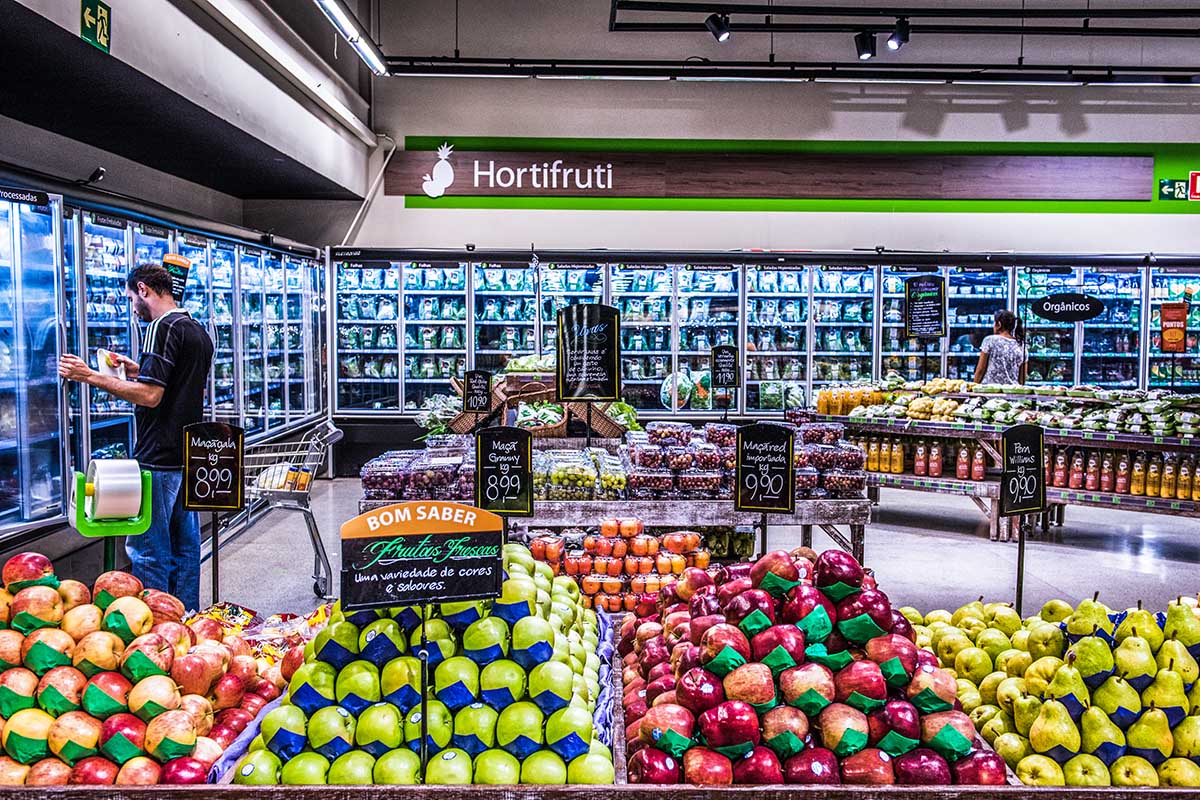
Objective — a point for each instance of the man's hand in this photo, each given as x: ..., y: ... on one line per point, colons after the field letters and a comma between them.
x: 132, y: 368
x: 74, y: 368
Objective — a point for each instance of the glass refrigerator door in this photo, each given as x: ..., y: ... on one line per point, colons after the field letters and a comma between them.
x: 1051, y: 344
x: 30, y: 435
x: 901, y: 355
x: 106, y: 265
x: 195, y: 298
x: 562, y: 285
x: 150, y: 244
x: 435, y: 326
x: 644, y: 295
x: 254, y: 385
x: 367, y: 334
x: 843, y: 310
x: 1112, y: 341
x: 275, y: 345
x: 226, y: 397
x: 1180, y: 372
x: 505, y: 313
x: 76, y: 392
x: 708, y: 302
x: 297, y: 334
x: 776, y: 347
x: 974, y: 295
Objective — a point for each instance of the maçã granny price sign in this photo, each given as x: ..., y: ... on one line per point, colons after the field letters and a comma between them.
x: 504, y: 471
x: 422, y: 551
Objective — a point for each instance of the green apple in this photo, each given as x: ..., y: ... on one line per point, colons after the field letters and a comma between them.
x: 600, y: 748
x: 568, y: 732
x: 543, y: 767
x: 260, y: 768
x: 591, y: 769
x: 502, y: 683
x: 567, y: 584
x: 331, y: 731
x: 355, y: 767
x: 256, y: 744
x: 392, y: 645
x: 497, y: 768
x: 439, y: 727
x: 461, y: 614
x: 435, y: 629
x: 337, y: 644
x: 519, y: 554
x: 486, y: 640
x: 312, y: 686
x: 451, y: 766
x: 551, y: 685
x: 284, y: 731
x: 398, y: 768
x: 457, y: 682
x: 1133, y: 771
x: 519, y: 729
x: 1039, y: 770
x: 357, y: 686
x: 475, y: 728
x: 400, y: 682
x: 378, y: 729
x: 532, y: 639
x: 518, y: 598
x: 306, y: 769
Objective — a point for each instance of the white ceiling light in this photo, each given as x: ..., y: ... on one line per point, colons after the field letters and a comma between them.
x: 345, y: 23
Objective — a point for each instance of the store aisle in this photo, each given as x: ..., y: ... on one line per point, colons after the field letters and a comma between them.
x: 929, y: 551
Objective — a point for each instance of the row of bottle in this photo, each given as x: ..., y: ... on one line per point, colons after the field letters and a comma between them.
x: 844, y: 399
x: 929, y: 457
x: 1169, y: 476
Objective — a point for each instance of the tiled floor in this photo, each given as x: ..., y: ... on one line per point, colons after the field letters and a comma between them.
x: 928, y: 550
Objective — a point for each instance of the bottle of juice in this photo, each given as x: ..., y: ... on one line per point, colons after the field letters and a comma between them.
x: 823, y: 401
x: 1137, y: 478
x: 962, y: 465
x: 978, y: 465
x: 1121, y: 486
x: 1075, y: 478
x: 1060, y: 468
x: 897, y: 457
x: 1169, y: 476
x: 1107, y: 473
x: 921, y: 459
x: 1154, y: 476
x: 1183, y: 483
x: 873, y: 456
x: 1091, y: 478
x: 935, y: 459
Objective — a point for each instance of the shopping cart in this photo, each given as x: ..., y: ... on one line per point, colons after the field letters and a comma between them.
x: 279, y: 476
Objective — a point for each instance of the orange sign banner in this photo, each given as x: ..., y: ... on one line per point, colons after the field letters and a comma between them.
x: 420, y: 517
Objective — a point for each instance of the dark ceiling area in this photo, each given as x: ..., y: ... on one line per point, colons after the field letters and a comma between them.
x: 54, y: 80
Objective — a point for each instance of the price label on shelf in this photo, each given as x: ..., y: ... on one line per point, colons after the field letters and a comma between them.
x: 1023, y: 475
x: 504, y: 471
x: 766, y: 482
x: 725, y: 373
x: 477, y: 391
x: 213, y: 456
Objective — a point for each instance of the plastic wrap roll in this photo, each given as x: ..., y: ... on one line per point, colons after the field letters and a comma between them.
x: 116, y: 489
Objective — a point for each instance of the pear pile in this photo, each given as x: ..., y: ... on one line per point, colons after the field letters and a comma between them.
x: 513, y: 685
x: 1078, y: 696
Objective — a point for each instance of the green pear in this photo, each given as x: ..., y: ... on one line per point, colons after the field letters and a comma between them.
x: 987, y: 687
x: 1086, y: 770
x: 1089, y: 617
x: 1140, y: 622
x: 971, y: 609
x: 1020, y: 640
x: 1166, y: 694
x: 1094, y: 659
x: 1186, y: 736
x: 1046, y: 640
x: 972, y: 627
x: 1055, y: 611
x: 993, y: 642
x: 941, y: 631
x: 938, y: 615
x: 1150, y: 737
x: 984, y: 713
x: 973, y: 664
x: 1100, y: 737
x: 1133, y: 771
x: 1002, y: 617
x: 1025, y: 710
x: 1175, y: 652
x: 997, y: 726
x: 1038, y: 770
x: 1178, y: 772
x: 1182, y: 624
x: 1012, y: 747
x: 968, y: 696
x: 1194, y: 697
x: 948, y: 648
x: 1068, y: 688
x: 1008, y: 691
x: 1134, y: 660
x: 1014, y: 662
x: 1119, y: 700
x: 1040, y: 673
x: 1053, y: 733
x: 912, y: 615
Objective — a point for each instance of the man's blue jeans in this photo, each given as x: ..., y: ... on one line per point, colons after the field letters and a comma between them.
x: 167, y: 556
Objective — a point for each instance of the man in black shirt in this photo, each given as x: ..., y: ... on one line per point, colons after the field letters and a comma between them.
x: 167, y: 388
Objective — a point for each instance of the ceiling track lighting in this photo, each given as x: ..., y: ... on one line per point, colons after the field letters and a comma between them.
x: 900, y: 35
x: 718, y: 26
x: 864, y: 43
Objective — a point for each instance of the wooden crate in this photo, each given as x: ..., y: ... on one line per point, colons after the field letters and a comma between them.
x: 603, y: 425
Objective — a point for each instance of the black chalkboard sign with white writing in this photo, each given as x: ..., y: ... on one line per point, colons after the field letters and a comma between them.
x: 178, y: 268
x: 504, y: 471
x: 766, y: 481
x: 213, y: 455
x: 1023, y: 474
x: 1068, y: 307
x: 725, y: 373
x: 589, y: 353
x: 477, y: 391
x: 925, y: 306
x: 420, y: 552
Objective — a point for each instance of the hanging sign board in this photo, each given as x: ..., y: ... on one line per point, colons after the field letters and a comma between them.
x: 589, y: 353
x: 477, y: 391
x: 925, y: 306
x: 1068, y: 307
x: 504, y: 471
x: 213, y: 458
x: 420, y: 552
x: 1173, y: 320
x: 177, y: 267
x: 765, y: 480
x: 1023, y: 476
x: 11, y: 194
x: 724, y: 371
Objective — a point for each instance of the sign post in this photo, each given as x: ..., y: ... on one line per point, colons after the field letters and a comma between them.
x: 589, y: 356
x: 724, y: 372
x: 925, y: 312
x: 213, y: 478
x: 1022, y: 484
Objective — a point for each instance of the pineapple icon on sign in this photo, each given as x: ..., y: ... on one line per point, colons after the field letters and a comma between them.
x: 435, y: 185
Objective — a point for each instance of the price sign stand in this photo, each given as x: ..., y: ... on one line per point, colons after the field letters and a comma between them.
x: 1022, y: 485
x: 925, y: 313
x: 725, y: 374
x: 504, y: 473
x: 589, y: 356
x: 213, y: 478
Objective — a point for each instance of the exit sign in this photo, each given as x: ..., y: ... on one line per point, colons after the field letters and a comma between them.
x: 95, y: 24
x: 1194, y: 186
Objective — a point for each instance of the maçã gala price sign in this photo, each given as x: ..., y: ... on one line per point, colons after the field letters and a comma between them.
x: 422, y: 551
x: 213, y: 458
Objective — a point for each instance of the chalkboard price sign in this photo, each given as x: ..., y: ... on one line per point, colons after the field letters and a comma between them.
x: 420, y: 552
x: 504, y: 471
x: 178, y: 268
x: 765, y: 480
x: 925, y: 306
x: 724, y: 369
x: 477, y: 391
x: 1023, y: 475
x: 589, y: 353
x: 213, y: 467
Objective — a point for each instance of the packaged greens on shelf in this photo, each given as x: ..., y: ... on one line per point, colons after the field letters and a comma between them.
x: 539, y: 415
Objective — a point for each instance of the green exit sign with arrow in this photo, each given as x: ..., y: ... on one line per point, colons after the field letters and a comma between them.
x: 1172, y: 189
x: 95, y: 23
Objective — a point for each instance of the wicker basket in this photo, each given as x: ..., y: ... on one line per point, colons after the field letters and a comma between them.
x: 603, y: 425
x: 464, y: 422
x: 556, y: 431
x: 532, y: 392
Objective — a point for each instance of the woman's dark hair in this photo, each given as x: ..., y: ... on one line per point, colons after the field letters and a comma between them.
x: 155, y: 276
x: 1010, y: 323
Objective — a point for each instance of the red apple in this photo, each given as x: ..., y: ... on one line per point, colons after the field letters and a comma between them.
x: 201, y: 710
x: 237, y: 645
x: 235, y: 718
x: 291, y: 661
x: 206, y: 628
x: 838, y: 718
x: 813, y: 765
x: 645, y: 632
x: 73, y: 729
x: 704, y: 602
x: 699, y: 690
x: 222, y: 735
x: 192, y: 672
x: 777, y: 561
x: 927, y: 658
x: 871, y: 602
x: 870, y: 767
x: 12, y: 772
x: 759, y: 767
x: 900, y: 716
x: 863, y: 677
x: 801, y: 601
x: 74, y: 594
x: 48, y: 772
x: 746, y: 603
x: 268, y: 690
x: 730, y: 590
x: 731, y: 723
x: 902, y: 627
x: 936, y: 680
x: 980, y: 768
x: 922, y: 767
x: 752, y: 683
x: 891, y: 645
x: 668, y: 717
x: 795, y: 681
x: 789, y: 637
x: 184, y: 770
x: 932, y: 724
x: 837, y: 566
x: 154, y: 694
x: 139, y: 771
x: 253, y: 703
x: 701, y: 624
x: 115, y: 584
x: 245, y: 667
x: 52, y: 638
x: 164, y: 606
x: 170, y: 726
x: 127, y: 725
x: 81, y: 620
x: 155, y: 649
x: 731, y: 572
x: 68, y: 681
x: 94, y: 771
x: 666, y: 698
x: 651, y: 765
x: 704, y: 767
x: 40, y: 602
x: 784, y: 719
x: 98, y: 651
x: 207, y: 752
x: 26, y: 567
x: 10, y: 647
x: 660, y: 685
x: 635, y: 707
x: 692, y: 580
x: 179, y: 635
x: 718, y: 637
x: 227, y: 692
x: 114, y: 685
x: 20, y: 682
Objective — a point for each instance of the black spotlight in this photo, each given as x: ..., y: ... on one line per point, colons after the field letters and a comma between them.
x: 899, y: 36
x: 718, y: 26
x: 864, y: 42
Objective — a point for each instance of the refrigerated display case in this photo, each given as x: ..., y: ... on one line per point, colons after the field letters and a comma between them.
x: 274, y: 345
x: 909, y: 357
x: 226, y: 366
x: 196, y: 299
x: 644, y: 295
x: 974, y: 295
x: 708, y: 298
x: 367, y: 332
x: 150, y: 243
x: 1051, y: 344
x: 251, y: 282
x: 559, y: 286
x: 1180, y: 371
x: 72, y: 322
x: 109, y: 325
x: 434, y: 299
x: 505, y: 313
x: 302, y: 359
x: 843, y: 311
x: 1111, y: 343
x: 776, y: 342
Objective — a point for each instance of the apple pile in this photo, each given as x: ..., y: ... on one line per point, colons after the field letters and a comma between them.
x: 513, y: 686
x: 108, y: 685
x: 1078, y: 695
x: 794, y: 669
